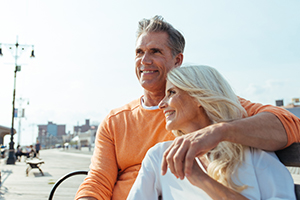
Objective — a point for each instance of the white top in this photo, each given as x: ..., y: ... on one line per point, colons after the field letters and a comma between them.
x: 265, y: 175
x: 148, y: 107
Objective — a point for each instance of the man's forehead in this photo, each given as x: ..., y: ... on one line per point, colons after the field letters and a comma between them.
x: 152, y: 40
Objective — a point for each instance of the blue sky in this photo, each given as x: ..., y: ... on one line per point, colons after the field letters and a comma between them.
x: 84, y: 63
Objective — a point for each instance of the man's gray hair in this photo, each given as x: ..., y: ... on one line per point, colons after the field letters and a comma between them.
x: 158, y: 24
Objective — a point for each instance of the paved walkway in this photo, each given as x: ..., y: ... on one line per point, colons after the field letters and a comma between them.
x: 16, y: 185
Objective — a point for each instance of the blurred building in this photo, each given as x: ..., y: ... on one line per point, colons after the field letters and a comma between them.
x: 84, y: 135
x: 51, y: 134
x: 4, y: 131
x: 83, y: 128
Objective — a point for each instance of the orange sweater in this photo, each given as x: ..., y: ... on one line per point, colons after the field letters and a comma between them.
x: 126, y: 134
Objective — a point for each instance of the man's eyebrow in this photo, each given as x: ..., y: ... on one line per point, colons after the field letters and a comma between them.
x: 156, y: 49
x: 138, y: 49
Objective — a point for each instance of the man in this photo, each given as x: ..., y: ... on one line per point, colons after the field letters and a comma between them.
x: 126, y: 134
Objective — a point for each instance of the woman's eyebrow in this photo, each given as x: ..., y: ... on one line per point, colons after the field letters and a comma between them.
x: 171, y: 88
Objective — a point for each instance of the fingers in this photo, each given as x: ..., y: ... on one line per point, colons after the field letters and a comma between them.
x: 164, y: 164
x: 168, y: 157
x: 179, y: 159
x: 190, y: 159
x: 174, y: 157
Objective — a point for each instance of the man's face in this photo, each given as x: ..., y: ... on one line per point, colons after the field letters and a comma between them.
x: 153, y: 60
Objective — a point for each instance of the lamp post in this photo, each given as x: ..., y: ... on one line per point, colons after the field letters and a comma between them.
x: 21, y: 114
x: 11, y: 155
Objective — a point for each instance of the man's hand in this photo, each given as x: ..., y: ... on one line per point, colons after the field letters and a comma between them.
x: 262, y: 131
x: 179, y: 157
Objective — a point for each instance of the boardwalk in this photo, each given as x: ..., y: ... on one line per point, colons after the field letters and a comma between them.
x: 16, y: 185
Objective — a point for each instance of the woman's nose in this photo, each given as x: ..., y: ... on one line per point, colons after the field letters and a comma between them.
x: 162, y: 104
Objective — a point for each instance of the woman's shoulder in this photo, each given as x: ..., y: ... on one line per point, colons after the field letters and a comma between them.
x: 158, y: 149
x: 261, y: 157
x: 268, y: 174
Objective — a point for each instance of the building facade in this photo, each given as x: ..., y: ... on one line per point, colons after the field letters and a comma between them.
x: 84, y: 135
x: 51, y: 134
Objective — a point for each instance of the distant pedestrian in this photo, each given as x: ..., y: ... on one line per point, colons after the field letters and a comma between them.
x: 2, y: 151
x: 32, y: 152
x: 37, y: 148
x: 18, y: 153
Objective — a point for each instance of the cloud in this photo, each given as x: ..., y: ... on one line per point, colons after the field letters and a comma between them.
x: 270, y: 90
x: 268, y: 87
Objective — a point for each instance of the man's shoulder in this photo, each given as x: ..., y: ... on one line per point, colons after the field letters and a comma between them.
x: 129, y: 107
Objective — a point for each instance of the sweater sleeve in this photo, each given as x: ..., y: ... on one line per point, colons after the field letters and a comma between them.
x: 103, y: 169
x: 147, y: 184
x: 290, y: 122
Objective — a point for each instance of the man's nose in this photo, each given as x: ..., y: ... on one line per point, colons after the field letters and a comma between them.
x: 146, y: 59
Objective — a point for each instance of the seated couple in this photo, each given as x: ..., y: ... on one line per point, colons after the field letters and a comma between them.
x: 196, y: 97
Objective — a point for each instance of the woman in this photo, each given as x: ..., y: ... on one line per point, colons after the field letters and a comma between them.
x: 196, y: 97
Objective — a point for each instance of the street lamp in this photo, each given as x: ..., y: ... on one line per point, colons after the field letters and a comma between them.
x: 11, y: 155
x: 21, y: 114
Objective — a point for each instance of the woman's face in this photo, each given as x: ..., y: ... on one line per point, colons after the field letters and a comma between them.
x: 182, y: 112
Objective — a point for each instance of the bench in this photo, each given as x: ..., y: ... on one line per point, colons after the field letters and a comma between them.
x: 290, y: 157
x: 34, y: 163
x: 82, y: 172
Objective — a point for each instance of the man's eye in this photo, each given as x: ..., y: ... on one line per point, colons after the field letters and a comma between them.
x: 138, y: 52
x: 156, y: 51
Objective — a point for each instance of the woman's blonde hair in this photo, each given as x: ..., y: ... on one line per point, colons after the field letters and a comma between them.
x: 220, y: 103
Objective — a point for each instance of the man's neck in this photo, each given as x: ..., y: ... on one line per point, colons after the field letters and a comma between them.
x: 152, y: 99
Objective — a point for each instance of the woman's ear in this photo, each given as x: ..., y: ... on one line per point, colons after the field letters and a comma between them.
x: 198, y: 104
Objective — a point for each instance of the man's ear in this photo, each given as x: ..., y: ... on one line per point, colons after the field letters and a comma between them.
x: 179, y: 59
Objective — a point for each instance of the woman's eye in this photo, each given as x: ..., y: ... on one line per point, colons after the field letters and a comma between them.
x: 171, y: 92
